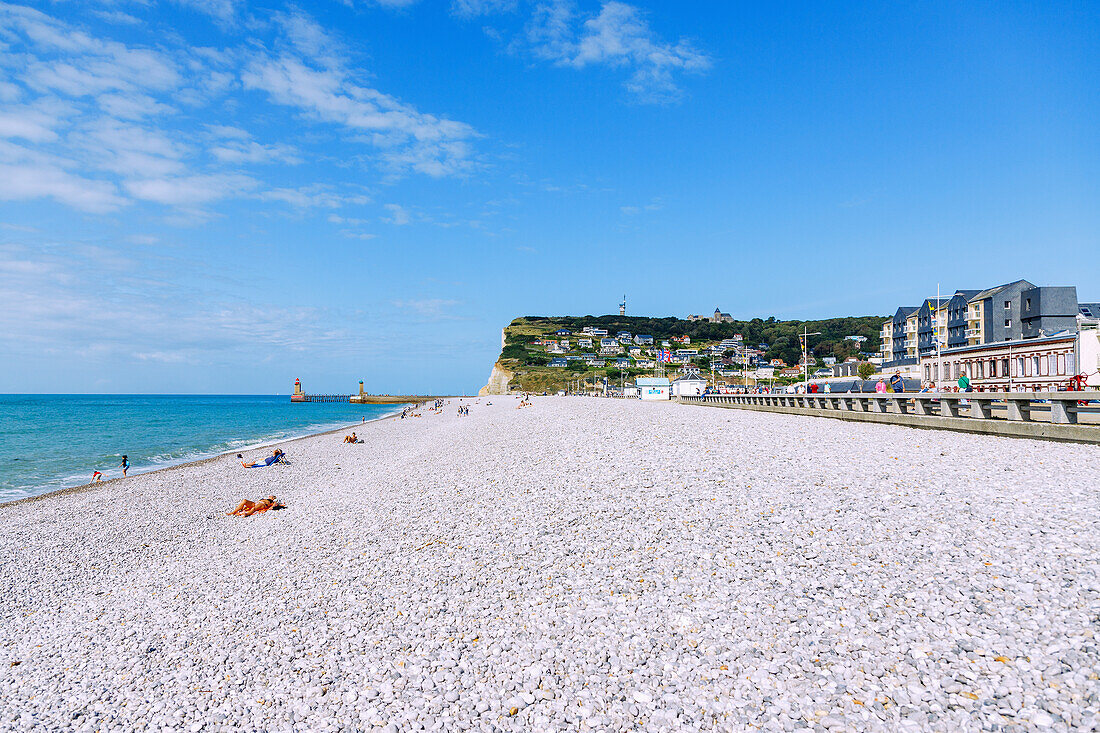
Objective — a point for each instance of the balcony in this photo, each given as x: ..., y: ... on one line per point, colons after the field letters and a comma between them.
x: 884, y: 334
x: 972, y: 333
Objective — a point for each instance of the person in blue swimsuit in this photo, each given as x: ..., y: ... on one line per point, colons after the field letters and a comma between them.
x: 277, y: 457
x: 125, y: 465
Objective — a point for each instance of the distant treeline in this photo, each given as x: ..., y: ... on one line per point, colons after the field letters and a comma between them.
x: 780, y: 336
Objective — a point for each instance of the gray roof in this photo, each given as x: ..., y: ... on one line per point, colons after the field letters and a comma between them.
x: 989, y: 293
x: 906, y: 310
x: 968, y: 294
x: 1089, y: 310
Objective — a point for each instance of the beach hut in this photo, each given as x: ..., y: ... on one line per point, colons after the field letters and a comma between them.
x: 653, y: 388
x: 689, y: 385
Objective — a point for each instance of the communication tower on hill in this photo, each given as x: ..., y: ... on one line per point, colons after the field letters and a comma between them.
x: 622, y: 307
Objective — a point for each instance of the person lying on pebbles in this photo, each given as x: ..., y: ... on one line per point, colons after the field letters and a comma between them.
x: 277, y: 457
x: 247, y: 508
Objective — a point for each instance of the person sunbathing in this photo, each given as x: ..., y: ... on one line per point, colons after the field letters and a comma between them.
x: 247, y: 508
x: 277, y: 457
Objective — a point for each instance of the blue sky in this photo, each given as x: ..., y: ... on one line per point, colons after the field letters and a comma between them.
x: 219, y: 196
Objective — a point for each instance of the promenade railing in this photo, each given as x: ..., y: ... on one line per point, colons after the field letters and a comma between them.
x: 1018, y: 406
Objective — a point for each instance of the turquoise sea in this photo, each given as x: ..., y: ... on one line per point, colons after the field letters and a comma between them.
x: 50, y: 442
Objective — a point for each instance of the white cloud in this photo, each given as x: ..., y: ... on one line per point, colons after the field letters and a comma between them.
x: 254, y: 152
x: 116, y: 16
x: 131, y: 150
x: 618, y: 36
x: 118, y: 118
x: 351, y: 234
x: 398, y: 215
x: 222, y: 10
x: 140, y: 307
x: 27, y: 123
x: 27, y: 174
x: 313, y: 80
x: 27, y: 182
x: 189, y: 191
x: 434, y: 309
x: 313, y: 197
x: 337, y: 219
x: 132, y: 106
x: 473, y: 8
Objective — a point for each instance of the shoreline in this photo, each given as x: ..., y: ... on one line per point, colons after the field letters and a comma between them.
x: 82, y: 488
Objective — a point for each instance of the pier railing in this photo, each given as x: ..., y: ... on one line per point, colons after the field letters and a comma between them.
x: 1025, y: 414
x: 321, y: 398
x: 1019, y: 405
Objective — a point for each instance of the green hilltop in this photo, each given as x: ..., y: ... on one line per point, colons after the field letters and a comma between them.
x: 528, y: 362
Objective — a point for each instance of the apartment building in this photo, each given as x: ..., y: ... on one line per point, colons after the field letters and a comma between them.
x: 1008, y: 312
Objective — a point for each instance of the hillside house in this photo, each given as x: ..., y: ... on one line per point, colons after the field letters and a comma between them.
x: 665, y: 344
x: 778, y: 363
x: 621, y: 363
x: 584, y: 343
x: 643, y: 340
x: 558, y: 362
x: 562, y: 332
x: 635, y: 351
x: 608, y: 342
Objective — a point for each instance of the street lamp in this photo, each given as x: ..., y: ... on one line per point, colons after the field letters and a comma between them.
x: 805, y: 358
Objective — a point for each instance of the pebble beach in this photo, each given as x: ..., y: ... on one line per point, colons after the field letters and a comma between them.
x: 579, y: 564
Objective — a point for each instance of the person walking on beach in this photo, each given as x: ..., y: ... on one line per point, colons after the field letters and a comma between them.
x: 125, y: 465
x: 897, y: 382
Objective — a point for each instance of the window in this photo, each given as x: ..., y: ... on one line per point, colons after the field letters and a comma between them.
x: 1019, y: 367
x: 1008, y: 323
x: 992, y: 367
x: 1033, y: 369
x: 1061, y: 363
x: 1027, y: 304
x: 981, y: 370
x: 927, y: 372
x: 1043, y: 364
x: 1071, y: 366
x: 1008, y: 305
x: 1004, y: 367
